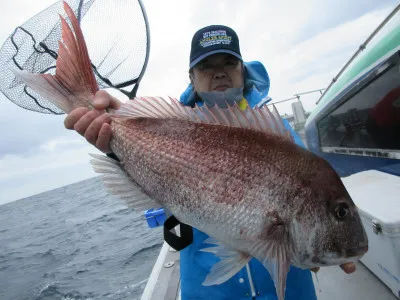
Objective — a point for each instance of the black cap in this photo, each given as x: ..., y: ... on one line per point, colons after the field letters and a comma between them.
x: 214, y: 39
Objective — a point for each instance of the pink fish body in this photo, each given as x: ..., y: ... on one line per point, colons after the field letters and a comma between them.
x: 234, y: 174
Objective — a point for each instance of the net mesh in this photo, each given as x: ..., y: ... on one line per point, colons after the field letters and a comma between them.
x: 116, y: 37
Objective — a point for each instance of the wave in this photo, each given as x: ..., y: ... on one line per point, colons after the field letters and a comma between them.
x: 132, y: 291
x: 50, y: 290
x: 142, y: 250
x: 48, y: 253
x: 47, y: 291
x: 104, y: 216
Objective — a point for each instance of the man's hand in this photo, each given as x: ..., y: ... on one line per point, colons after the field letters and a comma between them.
x: 347, y: 268
x: 94, y: 124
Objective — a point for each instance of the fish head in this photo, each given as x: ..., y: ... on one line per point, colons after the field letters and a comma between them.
x: 327, y: 229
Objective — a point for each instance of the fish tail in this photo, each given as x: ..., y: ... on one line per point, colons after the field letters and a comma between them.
x: 74, y: 83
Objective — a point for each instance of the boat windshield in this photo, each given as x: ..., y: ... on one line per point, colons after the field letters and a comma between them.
x: 369, y: 118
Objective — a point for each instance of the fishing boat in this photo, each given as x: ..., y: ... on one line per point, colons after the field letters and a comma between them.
x: 355, y: 126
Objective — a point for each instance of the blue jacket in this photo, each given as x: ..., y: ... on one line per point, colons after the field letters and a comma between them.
x: 195, y: 265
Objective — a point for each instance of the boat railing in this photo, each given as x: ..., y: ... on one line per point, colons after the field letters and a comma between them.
x: 299, y: 115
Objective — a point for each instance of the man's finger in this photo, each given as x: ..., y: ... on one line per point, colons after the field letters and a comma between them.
x: 348, y: 267
x: 74, y: 116
x: 103, y: 100
x: 85, y: 121
x: 94, y: 127
x: 103, y: 140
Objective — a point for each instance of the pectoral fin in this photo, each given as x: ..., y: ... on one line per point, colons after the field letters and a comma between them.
x: 278, y: 265
x: 119, y: 183
x: 274, y: 250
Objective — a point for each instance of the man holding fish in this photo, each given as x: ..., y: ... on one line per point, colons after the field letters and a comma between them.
x: 219, y: 76
x: 233, y: 171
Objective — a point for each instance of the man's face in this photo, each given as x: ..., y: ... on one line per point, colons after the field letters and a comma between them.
x: 217, y: 73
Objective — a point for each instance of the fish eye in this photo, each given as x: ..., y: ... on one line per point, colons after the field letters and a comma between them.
x: 341, y: 211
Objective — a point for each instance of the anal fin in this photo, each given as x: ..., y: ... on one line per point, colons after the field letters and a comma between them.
x: 232, y: 262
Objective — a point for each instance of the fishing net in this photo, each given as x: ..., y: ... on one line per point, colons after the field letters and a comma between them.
x: 117, y: 36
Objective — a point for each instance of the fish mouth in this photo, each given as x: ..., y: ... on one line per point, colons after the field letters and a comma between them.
x: 354, y: 252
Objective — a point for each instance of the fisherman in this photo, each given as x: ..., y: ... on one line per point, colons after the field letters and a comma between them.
x: 218, y: 75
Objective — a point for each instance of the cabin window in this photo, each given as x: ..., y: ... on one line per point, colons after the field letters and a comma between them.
x: 368, y: 120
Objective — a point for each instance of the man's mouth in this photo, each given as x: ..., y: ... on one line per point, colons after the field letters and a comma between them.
x: 221, y: 87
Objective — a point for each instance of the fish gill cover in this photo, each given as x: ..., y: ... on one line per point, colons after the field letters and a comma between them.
x: 116, y: 34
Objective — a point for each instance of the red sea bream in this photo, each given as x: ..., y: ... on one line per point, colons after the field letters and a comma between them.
x: 233, y: 173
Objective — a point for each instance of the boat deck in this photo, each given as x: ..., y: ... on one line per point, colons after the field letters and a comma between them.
x: 331, y: 283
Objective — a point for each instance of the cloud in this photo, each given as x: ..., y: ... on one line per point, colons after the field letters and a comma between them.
x: 23, y: 176
x: 333, y: 13
x: 15, y: 13
x: 313, y: 63
x: 24, y: 131
x: 52, y: 145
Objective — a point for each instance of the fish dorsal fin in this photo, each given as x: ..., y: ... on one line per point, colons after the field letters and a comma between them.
x: 119, y: 183
x: 260, y: 119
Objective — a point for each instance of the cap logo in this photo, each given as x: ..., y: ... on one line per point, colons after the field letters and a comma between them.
x: 215, y: 37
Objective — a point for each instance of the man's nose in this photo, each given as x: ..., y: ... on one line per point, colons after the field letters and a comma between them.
x: 218, y: 74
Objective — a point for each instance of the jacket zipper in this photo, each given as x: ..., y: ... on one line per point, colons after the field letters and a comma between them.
x: 253, y: 291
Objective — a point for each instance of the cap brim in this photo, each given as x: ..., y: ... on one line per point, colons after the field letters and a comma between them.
x: 201, y: 57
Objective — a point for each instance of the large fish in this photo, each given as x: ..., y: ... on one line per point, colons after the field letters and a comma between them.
x: 234, y: 174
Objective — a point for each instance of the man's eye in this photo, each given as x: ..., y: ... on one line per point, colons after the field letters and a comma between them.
x: 231, y: 63
x: 203, y: 66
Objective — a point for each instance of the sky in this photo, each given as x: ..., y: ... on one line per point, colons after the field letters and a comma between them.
x: 302, y: 44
